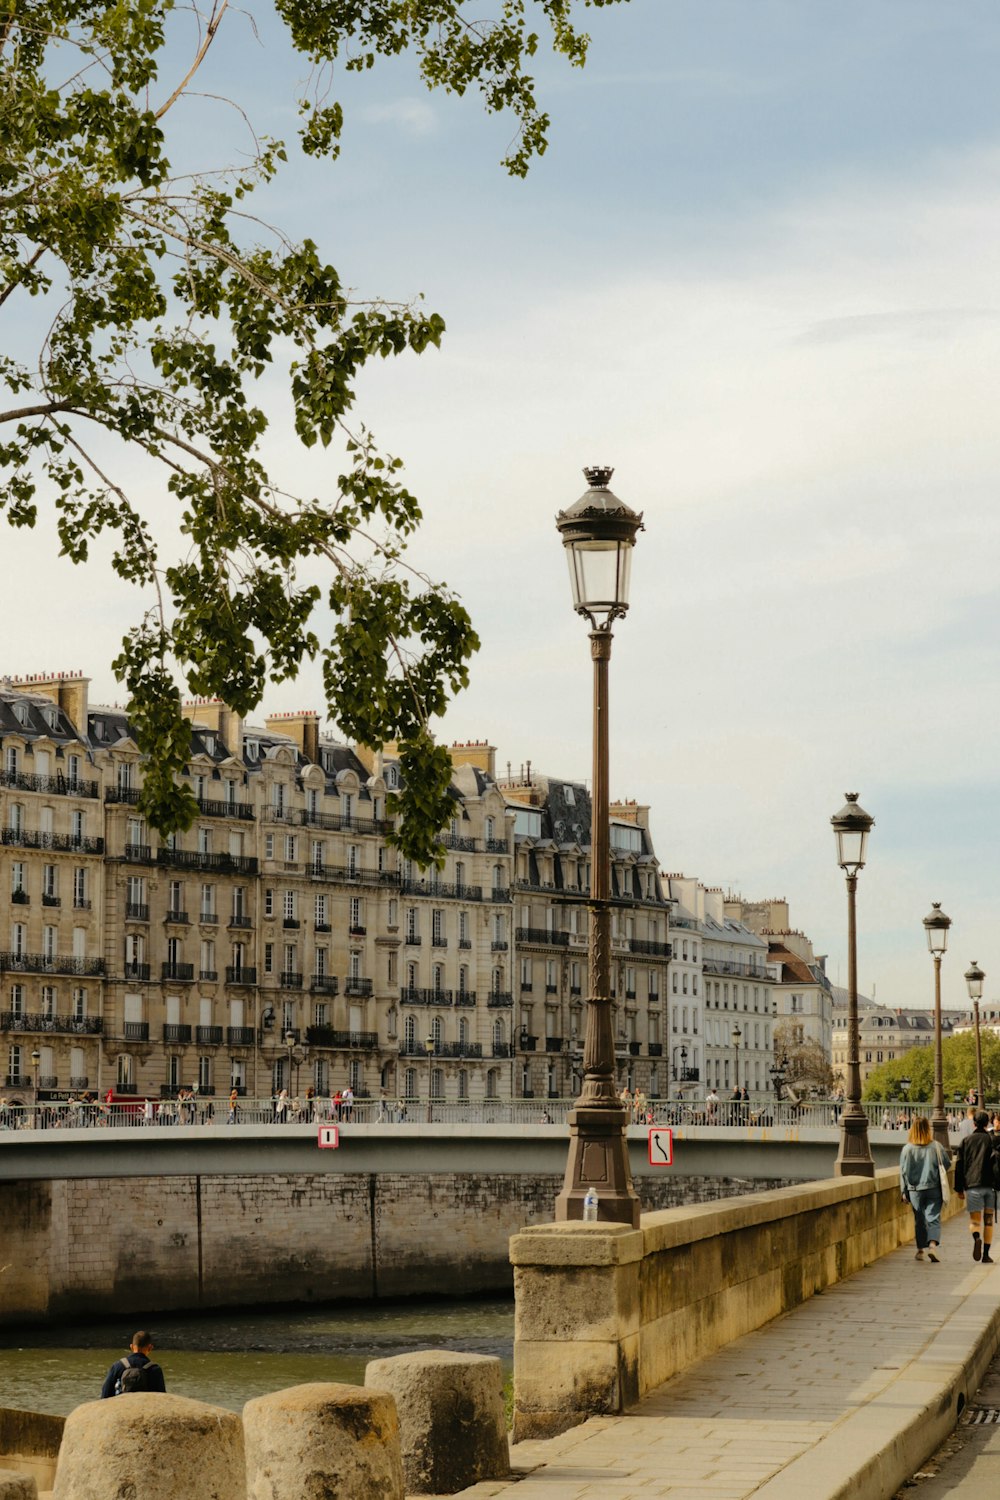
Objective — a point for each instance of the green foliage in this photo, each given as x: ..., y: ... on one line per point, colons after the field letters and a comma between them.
x: 162, y: 300
x: 958, y: 1063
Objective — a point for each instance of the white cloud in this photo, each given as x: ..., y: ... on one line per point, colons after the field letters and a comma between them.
x: 415, y: 116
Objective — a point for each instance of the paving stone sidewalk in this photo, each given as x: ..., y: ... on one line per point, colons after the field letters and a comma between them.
x: 783, y: 1411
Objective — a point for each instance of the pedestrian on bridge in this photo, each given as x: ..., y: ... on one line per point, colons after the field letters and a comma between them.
x: 921, y: 1162
x: 977, y: 1173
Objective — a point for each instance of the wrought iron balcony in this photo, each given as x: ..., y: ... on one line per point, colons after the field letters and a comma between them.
x: 44, y: 963
x: 326, y: 1036
x: 465, y: 997
x: 412, y: 995
x: 496, y: 846
x: 336, y: 822
x: 183, y: 973
x: 543, y: 937
x: 240, y: 919
x: 290, y: 979
x: 49, y: 898
x: 324, y: 984
x: 208, y: 1036
x: 656, y: 1049
x: 240, y: 1036
x: 33, y: 838
x: 500, y: 1000
x: 354, y: 875
x: 553, y: 1044
x: 177, y: 916
x: 138, y: 972
x: 442, y: 1049
x: 358, y: 989
x: 34, y: 1021
x: 208, y: 975
x: 195, y: 859
x: 241, y: 975
x: 135, y: 1031
x: 126, y: 795
x: 214, y: 807
x: 655, y: 950
x: 173, y: 1032
x: 441, y: 890
x: 61, y: 786
x: 500, y: 893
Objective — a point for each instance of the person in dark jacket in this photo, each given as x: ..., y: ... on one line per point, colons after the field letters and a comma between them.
x: 138, y: 1357
x: 977, y: 1171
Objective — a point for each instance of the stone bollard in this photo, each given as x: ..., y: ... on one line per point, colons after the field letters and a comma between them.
x: 451, y: 1419
x: 150, y: 1446
x: 322, y: 1442
x: 15, y: 1486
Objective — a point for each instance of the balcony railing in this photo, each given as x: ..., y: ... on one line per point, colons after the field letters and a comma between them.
x: 49, y: 898
x: 20, y: 897
x: 240, y: 1036
x: 496, y: 846
x: 240, y: 919
x: 180, y: 917
x: 128, y: 795
x: 290, y: 923
x: 735, y: 966
x: 412, y: 995
x: 42, y: 963
x: 208, y: 1036
x: 553, y: 1044
x: 48, y: 1081
x: 32, y: 1021
x: 180, y: 972
x: 541, y: 935
x: 354, y: 875
x: 218, y: 808
x: 324, y: 984
x: 173, y: 1032
x: 499, y: 999
x: 656, y: 1049
x: 195, y: 859
x: 135, y: 1031
x: 326, y: 1036
x: 465, y: 997
x: 81, y: 1081
x: 442, y: 1049
x: 441, y: 890
x: 359, y: 989
x: 655, y: 950
x: 33, y: 838
x: 337, y: 822
x: 208, y: 975
x: 138, y: 972
x: 290, y: 979
x: 62, y: 786
x: 500, y: 893
x: 138, y: 854
x: 241, y: 975
x: 498, y: 945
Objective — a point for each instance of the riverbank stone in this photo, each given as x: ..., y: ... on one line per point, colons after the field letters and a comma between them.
x: 150, y: 1446
x: 451, y: 1418
x: 15, y: 1486
x: 322, y: 1441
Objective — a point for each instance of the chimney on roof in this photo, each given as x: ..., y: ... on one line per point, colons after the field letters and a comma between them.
x: 216, y: 715
x: 630, y: 812
x: 478, y: 753
x: 302, y: 727
x: 69, y: 690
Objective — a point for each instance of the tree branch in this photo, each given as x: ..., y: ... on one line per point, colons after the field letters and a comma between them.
x: 211, y: 29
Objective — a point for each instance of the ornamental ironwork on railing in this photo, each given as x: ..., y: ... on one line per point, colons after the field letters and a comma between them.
x: 12, y: 1020
x: 195, y: 859
x: 297, y: 817
x: 542, y: 936
x: 34, y: 838
x: 442, y: 890
x: 656, y: 950
x: 61, y: 786
x: 50, y: 963
x: 326, y: 1036
x: 412, y: 995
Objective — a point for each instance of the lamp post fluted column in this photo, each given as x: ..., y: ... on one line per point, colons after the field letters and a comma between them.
x: 854, y: 1158
x: 936, y: 926
x: 598, y: 534
x: 974, y: 977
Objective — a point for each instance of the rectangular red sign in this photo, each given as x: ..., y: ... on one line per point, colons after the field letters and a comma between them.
x: 329, y: 1135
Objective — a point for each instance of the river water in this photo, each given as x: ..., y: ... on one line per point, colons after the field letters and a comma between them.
x: 229, y: 1358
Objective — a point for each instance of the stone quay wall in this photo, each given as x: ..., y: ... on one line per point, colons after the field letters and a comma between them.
x: 604, y: 1313
x: 86, y: 1247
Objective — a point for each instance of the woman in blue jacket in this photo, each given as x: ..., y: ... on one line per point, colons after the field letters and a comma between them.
x: 920, y: 1184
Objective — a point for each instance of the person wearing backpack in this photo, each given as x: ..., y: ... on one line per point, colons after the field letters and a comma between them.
x: 135, y: 1371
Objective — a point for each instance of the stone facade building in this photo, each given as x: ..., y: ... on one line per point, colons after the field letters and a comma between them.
x: 281, y: 941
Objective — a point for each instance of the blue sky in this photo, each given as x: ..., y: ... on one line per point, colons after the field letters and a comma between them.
x: 757, y: 272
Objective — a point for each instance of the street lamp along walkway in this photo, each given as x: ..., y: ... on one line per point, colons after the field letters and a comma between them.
x: 852, y: 826
x: 974, y: 977
x: 936, y: 926
x: 598, y: 533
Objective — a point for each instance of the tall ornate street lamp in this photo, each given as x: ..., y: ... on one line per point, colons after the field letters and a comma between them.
x: 974, y: 977
x: 36, y: 1058
x: 429, y: 1048
x: 936, y: 926
x: 852, y: 826
x: 598, y: 533
x: 737, y: 1034
x: 777, y: 1071
x: 290, y: 1044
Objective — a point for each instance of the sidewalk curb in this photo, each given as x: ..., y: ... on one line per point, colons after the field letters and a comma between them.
x: 875, y: 1449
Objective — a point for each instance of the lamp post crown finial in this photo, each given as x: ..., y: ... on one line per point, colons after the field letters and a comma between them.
x: 598, y: 476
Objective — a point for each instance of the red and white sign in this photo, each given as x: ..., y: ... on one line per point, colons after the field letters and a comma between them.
x: 661, y: 1147
x: 329, y: 1135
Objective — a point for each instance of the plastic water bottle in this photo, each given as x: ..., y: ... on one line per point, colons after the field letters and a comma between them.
x: 590, y: 1207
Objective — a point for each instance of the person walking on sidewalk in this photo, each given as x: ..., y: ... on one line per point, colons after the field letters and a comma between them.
x: 977, y: 1172
x: 920, y: 1162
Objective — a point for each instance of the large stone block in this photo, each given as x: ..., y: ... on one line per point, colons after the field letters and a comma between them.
x: 322, y: 1441
x: 151, y: 1447
x: 451, y: 1418
x: 15, y: 1486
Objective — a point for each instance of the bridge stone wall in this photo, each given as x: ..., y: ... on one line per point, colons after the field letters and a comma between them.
x: 86, y: 1247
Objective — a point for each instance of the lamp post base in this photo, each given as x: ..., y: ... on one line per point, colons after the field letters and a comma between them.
x: 939, y: 1130
x: 598, y: 1159
x: 854, y: 1157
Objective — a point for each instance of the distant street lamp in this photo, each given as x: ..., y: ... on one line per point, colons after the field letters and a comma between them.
x: 778, y: 1071
x: 904, y: 1084
x: 936, y: 926
x: 290, y: 1044
x: 429, y: 1046
x: 974, y: 977
x: 737, y: 1034
x: 36, y: 1058
x: 852, y: 826
x: 598, y: 533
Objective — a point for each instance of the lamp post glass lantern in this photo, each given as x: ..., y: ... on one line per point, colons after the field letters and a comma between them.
x: 974, y: 977
x: 36, y: 1058
x: 598, y: 533
x: 936, y: 926
x: 851, y: 826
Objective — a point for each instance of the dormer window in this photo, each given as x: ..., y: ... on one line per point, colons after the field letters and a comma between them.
x: 570, y: 797
x: 51, y: 716
x: 208, y: 740
x: 21, y: 712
